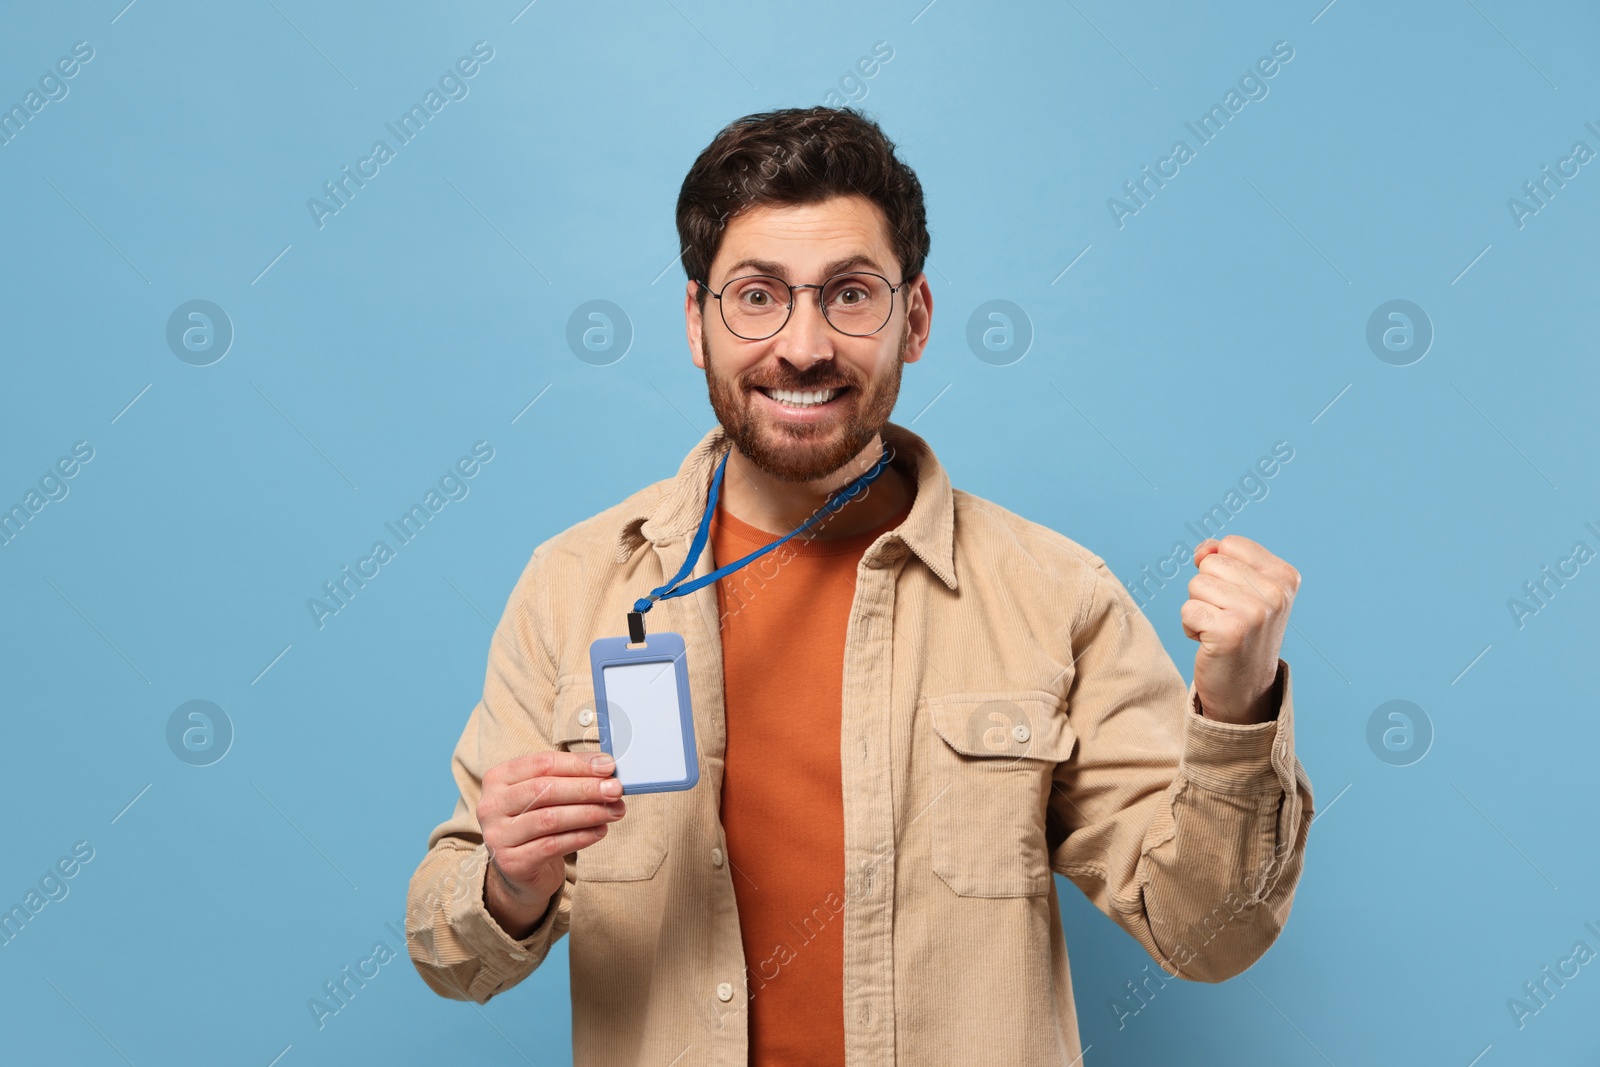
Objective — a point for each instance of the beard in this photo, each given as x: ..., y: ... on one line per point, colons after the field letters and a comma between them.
x: 805, y: 452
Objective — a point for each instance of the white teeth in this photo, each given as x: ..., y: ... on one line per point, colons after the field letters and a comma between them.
x: 796, y: 398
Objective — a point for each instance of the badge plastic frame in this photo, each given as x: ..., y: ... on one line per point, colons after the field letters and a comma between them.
x: 658, y: 648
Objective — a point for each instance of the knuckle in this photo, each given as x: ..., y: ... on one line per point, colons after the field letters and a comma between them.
x: 546, y: 820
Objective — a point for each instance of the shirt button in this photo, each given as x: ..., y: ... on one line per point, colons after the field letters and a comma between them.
x: 724, y: 991
x: 1020, y: 732
x: 716, y: 857
x: 585, y: 717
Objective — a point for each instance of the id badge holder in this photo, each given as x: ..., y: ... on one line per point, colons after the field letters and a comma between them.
x: 646, y: 721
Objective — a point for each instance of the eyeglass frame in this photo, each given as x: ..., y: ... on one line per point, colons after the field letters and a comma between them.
x: 819, y: 287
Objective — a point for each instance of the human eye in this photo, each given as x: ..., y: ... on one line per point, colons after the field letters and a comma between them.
x: 757, y: 294
x: 850, y: 291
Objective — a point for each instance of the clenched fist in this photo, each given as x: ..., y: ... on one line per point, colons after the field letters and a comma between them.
x: 534, y: 810
x: 1237, y: 609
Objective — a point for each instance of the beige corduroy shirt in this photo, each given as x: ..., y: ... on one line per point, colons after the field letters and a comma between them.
x: 1008, y: 712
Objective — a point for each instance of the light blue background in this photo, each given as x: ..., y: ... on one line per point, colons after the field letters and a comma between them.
x: 372, y: 352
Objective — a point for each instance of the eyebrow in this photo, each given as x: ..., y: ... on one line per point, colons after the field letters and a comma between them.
x: 778, y: 270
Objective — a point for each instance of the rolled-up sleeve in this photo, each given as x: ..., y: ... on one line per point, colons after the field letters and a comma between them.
x: 458, y: 948
x: 1189, y: 833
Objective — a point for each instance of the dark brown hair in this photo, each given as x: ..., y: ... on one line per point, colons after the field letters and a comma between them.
x: 798, y: 156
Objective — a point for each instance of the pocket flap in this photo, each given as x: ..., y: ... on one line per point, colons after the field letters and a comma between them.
x: 1015, y: 724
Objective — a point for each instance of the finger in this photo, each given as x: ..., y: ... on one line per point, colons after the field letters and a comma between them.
x: 1219, y: 593
x: 559, y: 819
x: 1266, y: 587
x: 1204, y: 549
x: 1198, y: 618
x: 1221, y: 565
x: 1242, y: 548
x: 548, y: 791
x: 542, y: 849
x: 553, y: 762
x: 1273, y: 567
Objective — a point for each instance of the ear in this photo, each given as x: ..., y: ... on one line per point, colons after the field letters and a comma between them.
x: 919, y: 316
x: 694, y: 324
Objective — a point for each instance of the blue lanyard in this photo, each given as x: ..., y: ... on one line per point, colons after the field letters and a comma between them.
x: 677, y: 586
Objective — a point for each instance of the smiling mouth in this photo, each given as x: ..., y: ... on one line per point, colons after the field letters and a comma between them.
x: 802, y: 398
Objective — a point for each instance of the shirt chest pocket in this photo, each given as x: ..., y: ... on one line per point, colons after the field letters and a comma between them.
x: 634, y: 845
x: 992, y: 760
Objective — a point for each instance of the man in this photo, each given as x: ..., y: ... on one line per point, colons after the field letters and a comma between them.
x: 907, y: 718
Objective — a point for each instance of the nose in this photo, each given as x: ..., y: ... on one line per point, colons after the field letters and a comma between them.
x: 805, y: 340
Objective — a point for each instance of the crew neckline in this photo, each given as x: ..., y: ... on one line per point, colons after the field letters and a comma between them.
x: 803, y: 544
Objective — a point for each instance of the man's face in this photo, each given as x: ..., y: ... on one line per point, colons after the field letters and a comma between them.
x: 806, y: 244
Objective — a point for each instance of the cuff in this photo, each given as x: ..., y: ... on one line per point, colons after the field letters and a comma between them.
x: 1241, y: 757
x: 503, y: 957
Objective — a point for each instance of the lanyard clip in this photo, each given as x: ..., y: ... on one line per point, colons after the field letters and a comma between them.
x: 636, y: 627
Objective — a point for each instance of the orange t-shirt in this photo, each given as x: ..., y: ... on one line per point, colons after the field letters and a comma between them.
x: 784, y: 618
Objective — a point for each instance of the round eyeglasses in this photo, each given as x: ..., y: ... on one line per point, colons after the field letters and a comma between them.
x: 857, y: 303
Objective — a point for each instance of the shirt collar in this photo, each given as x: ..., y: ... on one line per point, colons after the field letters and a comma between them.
x: 928, y: 530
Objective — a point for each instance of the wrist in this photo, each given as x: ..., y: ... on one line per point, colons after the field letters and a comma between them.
x: 1262, y: 708
x: 516, y: 911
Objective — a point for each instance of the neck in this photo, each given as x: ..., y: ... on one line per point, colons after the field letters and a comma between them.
x: 753, y: 496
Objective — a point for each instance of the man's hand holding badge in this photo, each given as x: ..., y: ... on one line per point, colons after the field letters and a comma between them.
x: 534, y: 810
